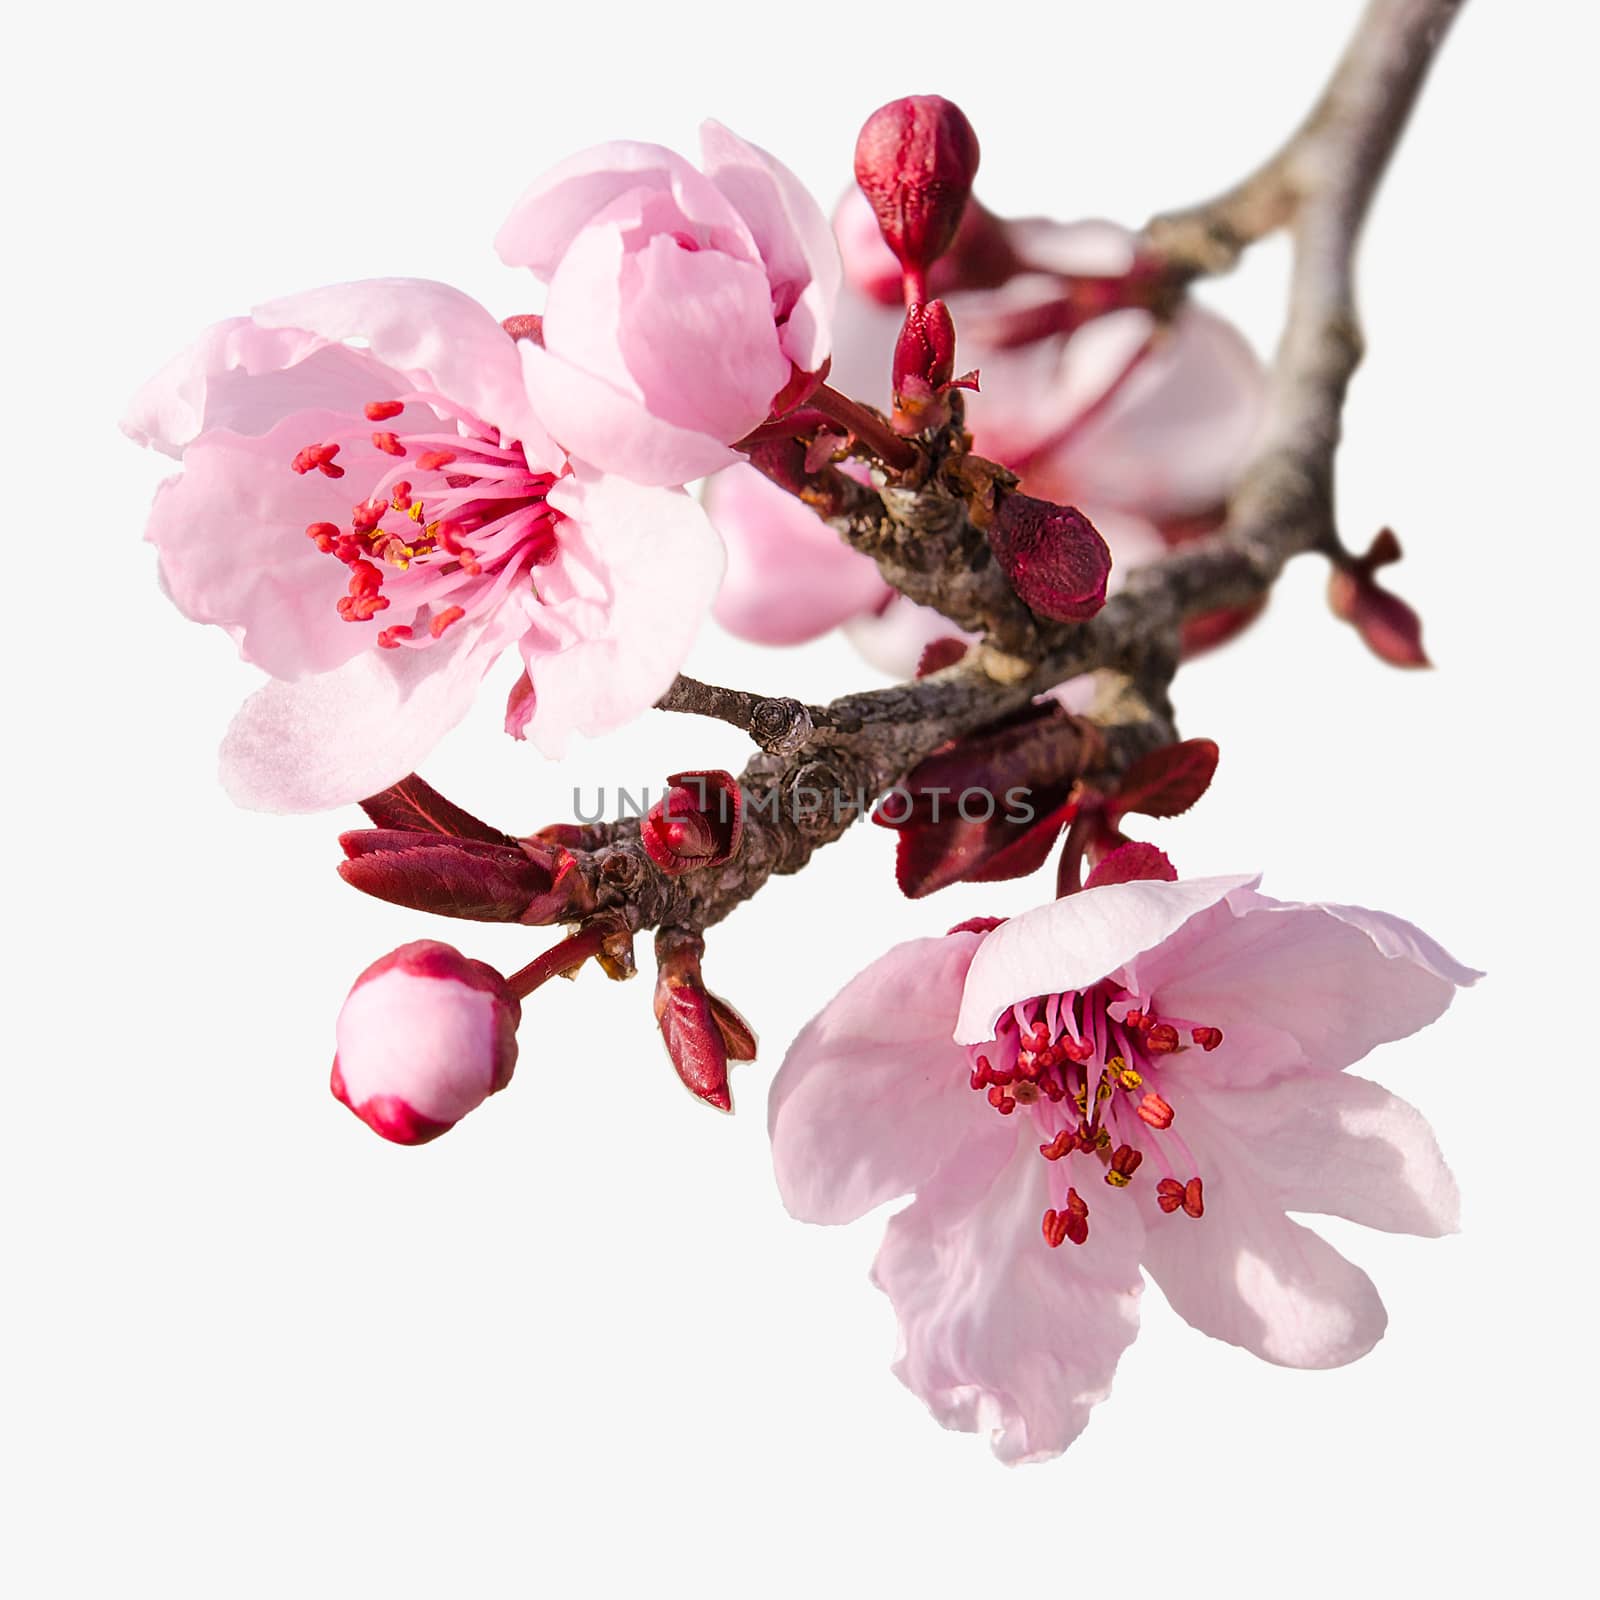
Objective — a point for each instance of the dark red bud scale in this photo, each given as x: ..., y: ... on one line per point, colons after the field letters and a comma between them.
x: 1056, y: 560
x: 915, y: 161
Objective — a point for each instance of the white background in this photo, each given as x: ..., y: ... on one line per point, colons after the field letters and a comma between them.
x: 576, y: 1347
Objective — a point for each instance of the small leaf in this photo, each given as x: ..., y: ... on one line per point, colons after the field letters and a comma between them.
x: 413, y: 804
x: 1166, y: 782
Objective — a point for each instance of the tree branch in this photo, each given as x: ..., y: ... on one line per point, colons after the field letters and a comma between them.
x: 925, y: 525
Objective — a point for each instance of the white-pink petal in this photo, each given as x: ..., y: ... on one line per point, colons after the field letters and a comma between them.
x: 436, y: 335
x: 1074, y: 942
x: 1000, y: 1334
x: 790, y: 576
x: 873, y: 1095
x: 338, y: 737
x: 1339, y: 1145
x: 634, y: 575
x: 1244, y: 1272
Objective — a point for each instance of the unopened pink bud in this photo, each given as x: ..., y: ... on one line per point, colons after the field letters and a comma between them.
x: 425, y: 1036
x: 915, y: 161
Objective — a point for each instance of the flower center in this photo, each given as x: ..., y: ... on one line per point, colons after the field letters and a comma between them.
x: 445, y: 531
x: 1090, y: 1067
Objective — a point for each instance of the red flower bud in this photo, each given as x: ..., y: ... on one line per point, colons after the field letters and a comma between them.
x: 531, y: 882
x: 697, y: 823
x: 702, y: 1032
x: 1056, y: 561
x: 915, y: 162
x: 1392, y: 630
x: 924, y: 367
x: 425, y: 1037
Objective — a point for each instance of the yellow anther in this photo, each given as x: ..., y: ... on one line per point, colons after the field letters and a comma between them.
x: 1118, y: 1180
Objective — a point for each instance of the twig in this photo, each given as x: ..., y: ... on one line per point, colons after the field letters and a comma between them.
x: 925, y: 526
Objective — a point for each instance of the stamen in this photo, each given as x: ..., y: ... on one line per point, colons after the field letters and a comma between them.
x: 1206, y: 1038
x: 388, y: 443
x: 382, y: 410
x: 1154, y: 1110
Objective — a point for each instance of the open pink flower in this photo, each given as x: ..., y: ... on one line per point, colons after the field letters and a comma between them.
x: 370, y: 509
x: 1143, y: 1073
x: 681, y: 304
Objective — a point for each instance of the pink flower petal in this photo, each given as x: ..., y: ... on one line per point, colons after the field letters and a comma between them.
x: 1244, y: 1272
x: 244, y: 378
x: 1175, y: 437
x: 873, y: 1094
x: 635, y: 572
x: 230, y: 529
x: 999, y: 1333
x: 697, y: 335
x: 1072, y: 943
x: 339, y: 737
x: 597, y: 422
x: 557, y: 206
x: 1338, y: 1145
x: 429, y: 331
x: 790, y: 576
x: 1300, y: 985
x: 793, y: 235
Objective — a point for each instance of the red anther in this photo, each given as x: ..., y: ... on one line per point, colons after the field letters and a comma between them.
x: 388, y: 443
x: 445, y: 619
x: 1063, y: 1144
x: 1054, y: 1227
x: 1169, y: 1195
x: 1136, y: 1020
x: 319, y: 456
x: 400, y: 496
x: 1194, y: 1198
x: 366, y: 516
x: 1000, y: 1100
x: 1207, y: 1038
x: 1077, y: 1229
x: 382, y: 410
x: 362, y: 607
x: 1076, y: 1050
x: 980, y: 1074
x: 1052, y: 1090
x: 1124, y: 1163
x: 365, y: 578
x: 1154, y: 1110
x: 325, y: 536
x: 389, y: 638
x: 526, y: 326
x: 1161, y: 1039
x: 432, y: 460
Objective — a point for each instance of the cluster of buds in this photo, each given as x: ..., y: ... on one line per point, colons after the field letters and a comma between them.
x: 427, y: 1034
x: 915, y: 162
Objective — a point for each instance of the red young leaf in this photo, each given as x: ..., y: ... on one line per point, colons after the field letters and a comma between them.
x: 418, y: 807
x: 1168, y: 781
x: 1132, y: 861
x: 938, y: 655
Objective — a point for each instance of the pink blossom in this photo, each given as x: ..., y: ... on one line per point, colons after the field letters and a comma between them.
x: 371, y: 510
x: 1143, y: 1073
x: 682, y: 304
x: 1143, y: 444
x: 425, y: 1036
